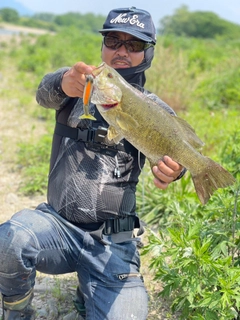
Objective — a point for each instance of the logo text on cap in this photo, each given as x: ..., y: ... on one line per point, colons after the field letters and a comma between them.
x: 121, y: 18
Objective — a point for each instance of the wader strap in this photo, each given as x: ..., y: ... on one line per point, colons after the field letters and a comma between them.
x: 97, y: 229
x: 72, y: 133
x: 94, y: 139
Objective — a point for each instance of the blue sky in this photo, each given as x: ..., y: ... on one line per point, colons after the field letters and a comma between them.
x: 226, y: 9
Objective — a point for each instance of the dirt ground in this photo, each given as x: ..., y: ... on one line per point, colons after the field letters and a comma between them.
x: 13, y: 127
x: 53, y: 294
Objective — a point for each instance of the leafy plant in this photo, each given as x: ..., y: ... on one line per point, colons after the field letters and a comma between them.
x: 195, y: 253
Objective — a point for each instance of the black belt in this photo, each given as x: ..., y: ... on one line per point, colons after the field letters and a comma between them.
x: 111, y: 226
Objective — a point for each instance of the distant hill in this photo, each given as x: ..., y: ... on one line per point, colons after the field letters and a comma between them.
x: 21, y: 9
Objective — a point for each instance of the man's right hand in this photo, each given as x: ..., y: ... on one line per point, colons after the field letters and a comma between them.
x: 74, y: 79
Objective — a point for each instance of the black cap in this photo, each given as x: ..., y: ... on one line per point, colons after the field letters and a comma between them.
x: 136, y: 22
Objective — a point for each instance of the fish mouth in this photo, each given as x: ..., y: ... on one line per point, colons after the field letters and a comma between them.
x: 98, y: 70
x: 109, y: 106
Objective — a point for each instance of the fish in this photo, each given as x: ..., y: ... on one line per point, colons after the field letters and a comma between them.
x: 86, y: 98
x: 154, y: 131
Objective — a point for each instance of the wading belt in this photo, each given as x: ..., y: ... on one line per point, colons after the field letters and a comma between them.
x: 111, y: 226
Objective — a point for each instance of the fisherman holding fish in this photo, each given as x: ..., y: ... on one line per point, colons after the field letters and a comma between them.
x: 89, y: 224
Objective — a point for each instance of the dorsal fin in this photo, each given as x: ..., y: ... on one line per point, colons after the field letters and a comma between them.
x: 188, y: 133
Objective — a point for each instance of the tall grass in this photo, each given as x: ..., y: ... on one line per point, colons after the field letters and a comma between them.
x: 188, y: 71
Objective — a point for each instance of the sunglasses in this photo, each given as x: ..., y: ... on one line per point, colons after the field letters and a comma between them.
x: 131, y: 45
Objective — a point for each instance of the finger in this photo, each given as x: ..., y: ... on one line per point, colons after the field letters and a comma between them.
x: 170, y: 167
x: 164, y: 174
x: 162, y: 167
x: 72, y: 86
x: 175, y: 166
x: 74, y: 80
x: 160, y: 184
x: 83, y: 68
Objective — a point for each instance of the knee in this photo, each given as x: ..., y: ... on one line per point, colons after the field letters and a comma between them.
x: 14, y: 244
x: 11, y: 235
x: 7, y: 236
x: 7, y: 245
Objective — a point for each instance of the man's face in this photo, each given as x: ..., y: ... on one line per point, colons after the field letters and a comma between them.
x: 121, y: 57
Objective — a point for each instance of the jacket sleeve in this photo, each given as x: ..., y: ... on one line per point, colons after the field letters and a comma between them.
x: 49, y: 93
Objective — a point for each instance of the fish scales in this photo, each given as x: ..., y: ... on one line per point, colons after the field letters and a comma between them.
x: 153, y: 131
x: 155, y: 135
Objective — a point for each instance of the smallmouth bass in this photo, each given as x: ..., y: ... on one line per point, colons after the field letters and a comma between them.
x: 153, y: 131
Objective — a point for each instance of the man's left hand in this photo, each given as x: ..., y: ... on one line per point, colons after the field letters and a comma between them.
x: 166, y: 172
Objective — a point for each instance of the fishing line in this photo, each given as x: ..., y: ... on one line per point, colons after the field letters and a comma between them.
x: 142, y: 178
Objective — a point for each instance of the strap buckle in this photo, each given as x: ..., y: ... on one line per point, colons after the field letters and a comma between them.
x: 83, y: 135
x: 119, y: 225
x: 92, y: 135
x: 96, y: 142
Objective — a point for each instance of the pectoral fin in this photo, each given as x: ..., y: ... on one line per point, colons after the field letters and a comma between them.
x: 113, y: 135
x: 125, y: 121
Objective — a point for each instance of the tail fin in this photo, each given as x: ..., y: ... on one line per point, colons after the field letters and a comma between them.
x: 213, y: 177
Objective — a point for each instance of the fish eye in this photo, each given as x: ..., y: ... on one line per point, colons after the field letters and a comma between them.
x: 110, y: 75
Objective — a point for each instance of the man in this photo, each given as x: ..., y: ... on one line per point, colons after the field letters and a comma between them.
x: 87, y: 224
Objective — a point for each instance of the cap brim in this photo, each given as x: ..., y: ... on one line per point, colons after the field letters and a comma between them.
x: 134, y: 33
